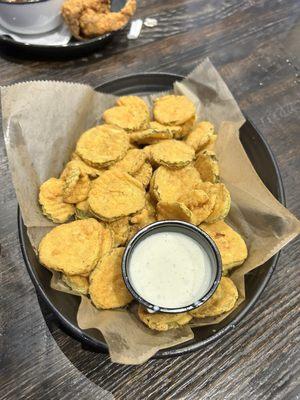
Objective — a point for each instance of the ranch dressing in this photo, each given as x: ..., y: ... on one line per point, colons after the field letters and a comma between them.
x: 170, y: 269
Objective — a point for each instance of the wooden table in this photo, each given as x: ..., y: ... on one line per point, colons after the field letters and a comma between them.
x: 255, y: 46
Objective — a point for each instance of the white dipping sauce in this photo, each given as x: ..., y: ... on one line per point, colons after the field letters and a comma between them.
x: 170, y: 269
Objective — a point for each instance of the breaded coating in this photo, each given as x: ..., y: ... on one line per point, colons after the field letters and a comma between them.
x: 83, y: 167
x: 72, y: 248
x: 82, y: 210
x: 127, y: 118
x: 162, y: 321
x: 172, y: 153
x: 200, y: 203
x: 207, y: 165
x: 222, y: 202
x: 168, y: 185
x: 76, y: 187
x: 186, y: 128
x: 132, y: 162
x: 51, y: 200
x: 173, y: 110
x: 120, y: 229
x: 231, y: 245
x: 223, y: 300
x: 107, y: 241
x: 116, y: 194
x: 155, y: 133
x: 144, y: 174
x: 136, y: 104
x: 200, y: 135
x: 91, y: 18
x: 107, y: 288
x: 78, y: 283
x: 173, y: 210
x: 102, y: 145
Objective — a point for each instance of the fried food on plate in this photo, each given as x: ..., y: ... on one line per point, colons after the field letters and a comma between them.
x: 91, y: 18
x: 231, y: 245
x: 200, y: 135
x: 168, y: 185
x: 82, y: 210
x: 73, y: 248
x: 52, y: 202
x: 83, y: 167
x: 143, y: 175
x: 155, y: 133
x: 200, y: 203
x: 211, y: 143
x: 120, y: 229
x: 173, y: 210
x: 76, y: 187
x: 78, y: 283
x: 207, y: 165
x: 172, y: 153
x: 129, y: 119
x: 107, y: 288
x: 162, y: 321
x: 132, y: 162
x: 222, y: 201
x: 146, y: 216
x: 173, y: 110
x: 116, y: 194
x: 136, y: 104
x: 107, y: 241
x: 223, y: 300
x: 102, y: 145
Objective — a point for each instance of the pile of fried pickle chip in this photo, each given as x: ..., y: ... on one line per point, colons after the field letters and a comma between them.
x: 138, y: 167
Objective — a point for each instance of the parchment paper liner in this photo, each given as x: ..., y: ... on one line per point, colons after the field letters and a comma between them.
x: 41, y: 123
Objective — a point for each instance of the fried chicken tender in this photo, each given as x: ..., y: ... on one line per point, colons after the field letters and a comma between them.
x: 223, y: 300
x: 107, y: 288
x: 90, y: 18
x: 52, y: 202
x: 72, y: 248
x: 231, y: 245
x: 162, y: 321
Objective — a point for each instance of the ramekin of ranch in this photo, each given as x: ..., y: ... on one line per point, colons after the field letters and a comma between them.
x: 171, y: 266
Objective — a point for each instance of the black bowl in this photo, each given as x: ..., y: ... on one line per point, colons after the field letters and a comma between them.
x: 65, y: 306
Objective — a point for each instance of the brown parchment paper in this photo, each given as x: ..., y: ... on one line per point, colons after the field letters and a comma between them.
x: 42, y: 121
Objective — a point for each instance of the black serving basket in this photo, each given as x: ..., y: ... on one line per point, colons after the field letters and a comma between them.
x: 65, y: 306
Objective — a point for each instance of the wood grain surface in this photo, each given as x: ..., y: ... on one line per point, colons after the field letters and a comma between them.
x: 255, y: 46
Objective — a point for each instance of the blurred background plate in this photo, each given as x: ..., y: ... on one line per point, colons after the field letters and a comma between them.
x: 75, y: 48
x: 64, y: 306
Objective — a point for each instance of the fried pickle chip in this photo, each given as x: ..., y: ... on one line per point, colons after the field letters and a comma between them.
x: 51, y: 200
x: 132, y: 162
x: 102, y: 145
x: 155, y: 133
x: 172, y: 153
x: 222, y: 202
x: 107, y: 288
x: 134, y: 103
x: 162, y: 321
x: 200, y: 135
x: 174, y: 210
x: 127, y: 118
x: 76, y: 162
x: 78, y: 283
x: 173, y: 110
x: 200, y: 203
x: 211, y: 143
x: 144, y: 174
x: 73, y: 248
x: 223, y: 300
x: 116, y: 194
x: 82, y: 210
x: 168, y: 185
x: 207, y: 165
x: 231, y: 245
x: 76, y: 187
x: 146, y: 216
x: 120, y: 229
x: 107, y: 241
x: 186, y: 128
